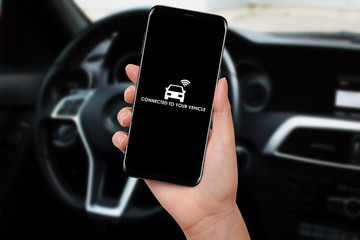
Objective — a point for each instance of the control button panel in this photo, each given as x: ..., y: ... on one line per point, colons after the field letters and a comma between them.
x: 70, y: 107
x: 316, y: 231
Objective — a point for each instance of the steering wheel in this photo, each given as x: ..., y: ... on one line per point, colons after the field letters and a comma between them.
x: 92, y: 111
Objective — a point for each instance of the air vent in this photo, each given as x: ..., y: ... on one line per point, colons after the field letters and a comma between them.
x: 319, y: 144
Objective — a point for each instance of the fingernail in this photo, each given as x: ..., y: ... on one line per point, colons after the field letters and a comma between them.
x: 225, y: 84
x: 122, y: 121
x: 123, y: 115
x: 120, y: 140
x: 126, y: 92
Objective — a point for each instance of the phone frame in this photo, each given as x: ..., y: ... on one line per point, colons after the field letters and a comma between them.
x: 181, y: 13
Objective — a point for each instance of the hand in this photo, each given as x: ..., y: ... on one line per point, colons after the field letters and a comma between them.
x: 209, y: 210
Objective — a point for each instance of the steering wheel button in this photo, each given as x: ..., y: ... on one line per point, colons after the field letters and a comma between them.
x: 77, y: 103
x: 70, y: 107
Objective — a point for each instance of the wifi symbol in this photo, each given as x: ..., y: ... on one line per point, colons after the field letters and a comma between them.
x: 185, y: 82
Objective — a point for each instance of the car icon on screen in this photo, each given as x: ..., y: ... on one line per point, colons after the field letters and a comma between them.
x: 175, y: 92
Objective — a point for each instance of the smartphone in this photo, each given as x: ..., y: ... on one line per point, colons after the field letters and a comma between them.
x: 172, y: 111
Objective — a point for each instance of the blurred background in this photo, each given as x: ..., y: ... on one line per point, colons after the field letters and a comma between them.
x: 256, y: 15
x: 294, y: 83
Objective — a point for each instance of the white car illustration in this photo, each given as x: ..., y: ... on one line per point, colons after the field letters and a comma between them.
x: 175, y: 92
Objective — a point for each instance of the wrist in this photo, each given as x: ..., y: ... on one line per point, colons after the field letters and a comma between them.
x: 228, y: 224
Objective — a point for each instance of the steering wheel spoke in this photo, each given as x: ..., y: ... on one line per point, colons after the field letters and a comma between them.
x: 71, y: 108
x: 96, y: 203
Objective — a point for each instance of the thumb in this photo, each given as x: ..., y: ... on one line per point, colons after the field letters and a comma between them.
x: 222, y: 120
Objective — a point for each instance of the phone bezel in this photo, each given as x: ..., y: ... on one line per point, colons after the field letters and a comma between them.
x: 197, y: 16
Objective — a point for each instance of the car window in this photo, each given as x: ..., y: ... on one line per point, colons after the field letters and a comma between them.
x: 175, y: 88
x: 320, y: 16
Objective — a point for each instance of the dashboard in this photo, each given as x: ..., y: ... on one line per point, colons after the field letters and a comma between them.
x: 300, y: 132
x: 303, y: 74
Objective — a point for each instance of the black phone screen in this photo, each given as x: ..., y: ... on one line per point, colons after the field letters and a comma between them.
x: 174, y: 97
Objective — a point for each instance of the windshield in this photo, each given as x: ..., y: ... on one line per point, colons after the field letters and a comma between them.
x: 279, y: 16
x: 175, y: 88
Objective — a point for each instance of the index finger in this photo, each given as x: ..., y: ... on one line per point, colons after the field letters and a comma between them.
x: 132, y: 72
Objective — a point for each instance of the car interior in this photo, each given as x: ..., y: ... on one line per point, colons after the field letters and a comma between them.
x: 296, y: 110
